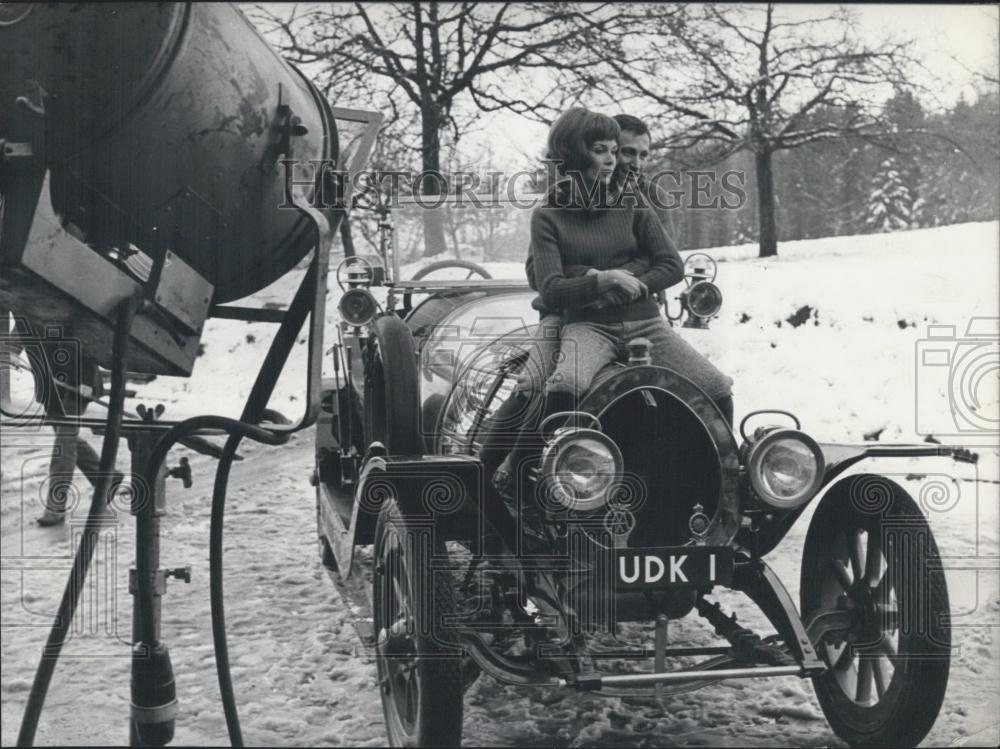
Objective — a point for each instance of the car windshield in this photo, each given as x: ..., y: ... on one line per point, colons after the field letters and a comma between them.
x: 459, y: 235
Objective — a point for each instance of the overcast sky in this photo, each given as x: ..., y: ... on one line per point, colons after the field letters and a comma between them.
x: 950, y: 39
x: 949, y: 36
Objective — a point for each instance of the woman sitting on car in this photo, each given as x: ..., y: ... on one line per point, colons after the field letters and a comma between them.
x: 597, y: 258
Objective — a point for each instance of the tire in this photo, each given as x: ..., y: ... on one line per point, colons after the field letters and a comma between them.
x: 888, y: 674
x: 392, y: 391
x: 421, y: 681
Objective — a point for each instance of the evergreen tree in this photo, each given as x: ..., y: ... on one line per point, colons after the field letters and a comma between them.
x: 889, y: 204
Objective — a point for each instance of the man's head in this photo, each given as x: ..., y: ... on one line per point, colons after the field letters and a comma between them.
x: 633, y: 144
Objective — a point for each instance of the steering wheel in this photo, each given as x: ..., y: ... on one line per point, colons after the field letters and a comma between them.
x: 473, y: 268
x: 344, y: 269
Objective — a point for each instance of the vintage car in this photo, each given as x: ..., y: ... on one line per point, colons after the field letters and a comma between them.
x: 630, y: 517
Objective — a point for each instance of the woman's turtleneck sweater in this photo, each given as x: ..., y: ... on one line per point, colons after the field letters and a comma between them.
x: 606, y: 233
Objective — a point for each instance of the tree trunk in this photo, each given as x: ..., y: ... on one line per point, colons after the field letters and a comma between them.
x: 765, y: 205
x: 434, y: 240
x: 453, y: 231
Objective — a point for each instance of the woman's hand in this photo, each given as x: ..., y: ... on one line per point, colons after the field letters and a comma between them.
x: 620, y: 281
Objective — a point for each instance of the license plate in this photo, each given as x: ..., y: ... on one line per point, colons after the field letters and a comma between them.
x: 673, y: 566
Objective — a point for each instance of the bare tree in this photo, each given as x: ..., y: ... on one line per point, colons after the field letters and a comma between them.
x: 737, y: 78
x: 426, y: 56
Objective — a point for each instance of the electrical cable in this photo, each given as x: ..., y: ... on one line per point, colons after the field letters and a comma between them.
x: 237, y: 430
x: 254, y: 410
x: 74, y: 584
x: 158, y: 454
x: 217, y: 595
x: 84, y: 554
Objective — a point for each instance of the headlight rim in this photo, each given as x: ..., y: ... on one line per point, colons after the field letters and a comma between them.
x: 562, y: 439
x: 358, y: 293
x: 700, y: 286
x: 754, y: 469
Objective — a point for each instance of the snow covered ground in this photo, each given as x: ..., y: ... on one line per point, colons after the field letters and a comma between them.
x: 854, y: 363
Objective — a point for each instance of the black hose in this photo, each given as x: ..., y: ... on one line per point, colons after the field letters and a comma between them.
x: 217, y: 595
x: 256, y: 406
x: 67, y: 607
x: 84, y: 554
x: 237, y: 430
x: 144, y: 593
x: 253, y: 411
x: 208, y: 421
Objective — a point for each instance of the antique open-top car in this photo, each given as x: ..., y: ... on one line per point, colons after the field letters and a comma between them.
x: 630, y: 517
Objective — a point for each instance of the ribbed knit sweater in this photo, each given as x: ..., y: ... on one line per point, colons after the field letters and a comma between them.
x: 604, y: 238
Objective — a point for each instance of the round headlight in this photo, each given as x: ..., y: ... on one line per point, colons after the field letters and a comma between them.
x: 358, y: 307
x: 786, y: 469
x: 580, y: 467
x: 704, y: 299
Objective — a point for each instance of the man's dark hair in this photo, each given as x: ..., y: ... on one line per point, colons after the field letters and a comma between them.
x: 632, y: 124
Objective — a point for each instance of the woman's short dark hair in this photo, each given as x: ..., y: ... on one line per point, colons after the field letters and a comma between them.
x: 572, y: 134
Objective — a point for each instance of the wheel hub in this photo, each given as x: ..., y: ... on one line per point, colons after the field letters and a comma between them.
x: 870, y: 624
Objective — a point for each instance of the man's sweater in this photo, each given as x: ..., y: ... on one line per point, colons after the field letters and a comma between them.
x: 607, y: 238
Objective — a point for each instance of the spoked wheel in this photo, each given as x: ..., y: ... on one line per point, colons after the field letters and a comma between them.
x: 420, y: 675
x: 888, y: 672
x: 473, y: 269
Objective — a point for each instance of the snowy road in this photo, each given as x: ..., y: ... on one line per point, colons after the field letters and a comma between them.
x: 302, y: 680
x: 300, y: 675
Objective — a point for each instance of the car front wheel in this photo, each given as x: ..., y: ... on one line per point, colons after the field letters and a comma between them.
x: 870, y: 551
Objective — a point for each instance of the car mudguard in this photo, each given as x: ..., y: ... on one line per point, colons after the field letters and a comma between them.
x: 856, y: 487
x: 441, y: 490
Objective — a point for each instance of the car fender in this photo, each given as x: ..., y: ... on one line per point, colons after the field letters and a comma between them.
x: 444, y: 491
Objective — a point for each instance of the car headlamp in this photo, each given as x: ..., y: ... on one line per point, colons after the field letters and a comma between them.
x: 702, y: 299
x: 357, y: 307
x: 786, y: 468
x: 580, y: 468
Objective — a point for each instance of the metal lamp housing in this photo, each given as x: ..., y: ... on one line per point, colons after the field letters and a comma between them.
x: 551, y: 466
x: 357, y: 307
x: 702, y: 299
x: 777, y: 454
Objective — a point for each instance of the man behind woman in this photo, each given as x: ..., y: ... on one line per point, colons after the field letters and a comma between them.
x: 597, y: 254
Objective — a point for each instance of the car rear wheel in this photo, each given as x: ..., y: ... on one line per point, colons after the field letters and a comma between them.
x: 871, y: 552
x: 419, y: 673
